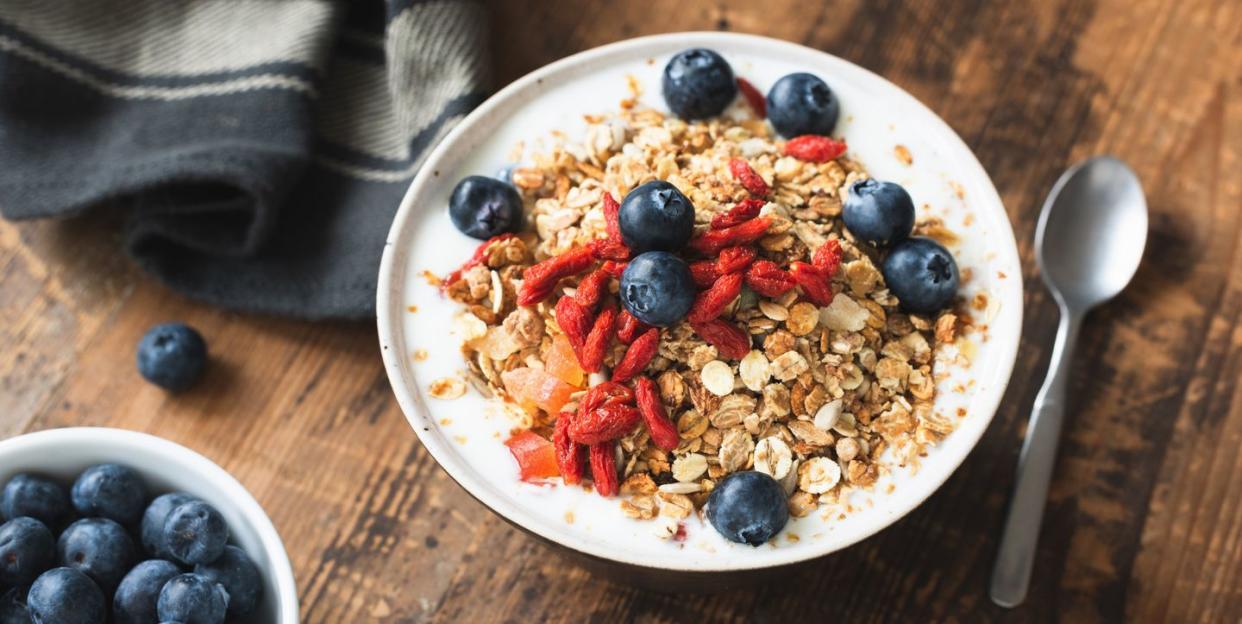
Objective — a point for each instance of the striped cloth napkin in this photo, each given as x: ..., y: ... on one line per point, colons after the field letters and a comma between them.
x: 259, y: 148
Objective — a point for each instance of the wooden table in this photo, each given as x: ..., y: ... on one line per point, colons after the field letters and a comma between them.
x: 1145, y: 517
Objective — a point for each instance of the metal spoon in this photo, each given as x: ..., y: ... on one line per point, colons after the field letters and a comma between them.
x: 1088, y: 244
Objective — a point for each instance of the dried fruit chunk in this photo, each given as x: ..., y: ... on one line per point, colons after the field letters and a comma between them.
x: 539, y: 280
x: 744, y: 211
x: 746, y: 176
x: 637, y: 356
x: 712, y: 241
x: 604, y: 469
x: 477, y: 258
x: 704, y: 273
x: 735, y: 259
x: 828, y: 257
x: 663, y: 431
x: 711, y: 302
x: 562, y: 362
x: 570, y: 456
x: 768, y: 279
x: 596, y: 344
x: 575, y: 321
x: 754, y: 97
x: 629, y: 328
x: 814, y: 148
x: 729, y: 341
x: 814, y: 283
x: 592, y: 287
x: 535, y: 389
x: 609, y: 421
x: 535, y: 456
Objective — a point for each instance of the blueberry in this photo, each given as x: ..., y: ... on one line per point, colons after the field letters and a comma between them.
x: 698, y: 83
x: 878, y: 212
x: 172, y: 356
x: 484, y: 207
x: 192, y: 599
x: 801, y: 104
x: 748, y: 507
x: 239, y: 576
x: 922, y: 274
x: 27, y: 549
x: 13, y: 608
x: 110, y: 491
x: 195, y: 532
x: 152, y: 532
x: 134, y: 602
x: 39, y: 498
x: 656, y: 288
x: 99, y: 547
x: 656, y: 217
x: 66, y: 596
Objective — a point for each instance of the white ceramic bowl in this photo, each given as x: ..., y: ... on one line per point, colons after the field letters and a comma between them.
x: 465, y: 435
x: 166, y: 466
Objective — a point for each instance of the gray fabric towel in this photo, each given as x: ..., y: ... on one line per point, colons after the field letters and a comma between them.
x: 259, y: 147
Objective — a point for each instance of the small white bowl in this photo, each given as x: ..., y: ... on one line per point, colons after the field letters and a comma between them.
x: 165, y: 466
x: 464, y: 435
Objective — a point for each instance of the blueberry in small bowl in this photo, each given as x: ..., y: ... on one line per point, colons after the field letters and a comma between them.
x: 657, y: 288
x: 801, y: 103
x: 151, y: 532
x: 192, y: 599
x: 194, y: 532
x: 922, y: 274
x: 27, y: 549
x: 483, y: 207
x: 172, y: 356
x: 110, y: 491
x: 136, y: 596
x: 878, y: 212
x: 698, y: 83
x: 656, y: 216
x: 100, y: 548
x: 36, y: 497
x: 66, y: 596
x: 748, y: 507
x: 236, y: 573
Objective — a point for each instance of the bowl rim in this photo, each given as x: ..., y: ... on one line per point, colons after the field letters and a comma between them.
x: 196, y: 463
x: 389, y: 308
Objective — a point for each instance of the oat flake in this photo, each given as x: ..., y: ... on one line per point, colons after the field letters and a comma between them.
x: 717, y: 378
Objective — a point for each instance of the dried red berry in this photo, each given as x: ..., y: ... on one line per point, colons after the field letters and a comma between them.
x: 744, y: 211
x: 729, y: 341
x: 603, y: 424
x: 629, y: 328
x: 613, y: 247
x: 476, y: 258
x: 704, y: 273
x: 753, y: 97
x: 570, y: 456
x: 814, y: 283
x: 606, y: 393
x: 575, y: 321
x: 814, y: 148
x: 663, y: 431
x: 735, y: 259
x: 768, y: 279
x: 539, y: 280
x: 596, y: 345
x: 746, y: 176
x: 616, y: 268
x: 828, y: 258
x: 592, y: 287
x: 612, y: 217
x: 607, y: 249
x: 711, y: 242
x: 637, y: 356
x: 604, y: 469
x: 711, y: 302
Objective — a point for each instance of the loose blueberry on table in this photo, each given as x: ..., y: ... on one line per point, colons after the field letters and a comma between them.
x: 598, y: 311
x: 172, y: 356
x: 71, y: 576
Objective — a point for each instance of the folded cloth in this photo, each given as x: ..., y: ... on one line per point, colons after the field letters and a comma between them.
x: 260, y: 148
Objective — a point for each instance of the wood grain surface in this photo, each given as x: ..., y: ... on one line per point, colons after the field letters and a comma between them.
x: 1144, y: 523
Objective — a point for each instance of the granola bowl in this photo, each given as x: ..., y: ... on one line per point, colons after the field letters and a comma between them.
x: 858, y: 409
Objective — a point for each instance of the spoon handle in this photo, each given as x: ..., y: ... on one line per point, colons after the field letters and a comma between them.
x: 1012, y: 574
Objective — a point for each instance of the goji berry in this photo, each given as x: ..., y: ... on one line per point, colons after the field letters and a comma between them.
x: 539, y: 280
x: 617, y: 268
x: 629, y: 328
x: 814, y: 148
x: 704, y: 273
x: 575, y: 321
x: 711, y: 302
x: 744, y: 211
x: 735, y: 259
x: 606, y: 393
x: 612, y: 217
x: 814, y: 283
x: 604, y: 423
x: 711, y: 242
x: 753, y: 97
x: 608, y: 249
x: 729, y: 341
x: 596, y: 345
x: 828, y: 258
x: 663, y: 431
x: 637, y: 356
x: 592, y: 287
x: 768, y: 279
x: 570, y: 456
x: 746, y: 176
x: 604, y: 469
x: 477, y: 258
